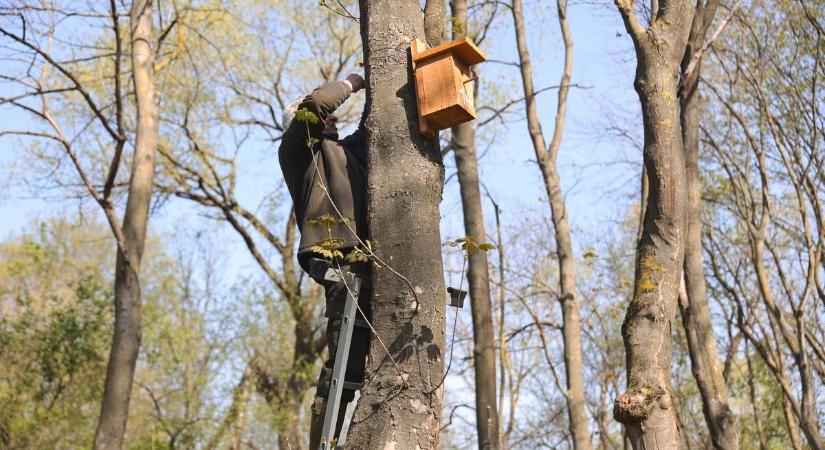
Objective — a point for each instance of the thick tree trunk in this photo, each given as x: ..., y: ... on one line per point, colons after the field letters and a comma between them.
x: 546, y: 156
x: 484, y: 351
x: 406, y: 178
x: 707, y: 371
x: 647, y: 408
x: 126, y: 343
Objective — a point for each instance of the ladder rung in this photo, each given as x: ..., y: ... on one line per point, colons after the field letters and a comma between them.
x: 361, y: 323
x: 352, y: 386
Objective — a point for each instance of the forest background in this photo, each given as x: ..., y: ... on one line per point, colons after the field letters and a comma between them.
x: 218, y: 332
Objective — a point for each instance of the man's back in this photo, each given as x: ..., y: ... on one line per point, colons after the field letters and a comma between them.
x: 325, y: 177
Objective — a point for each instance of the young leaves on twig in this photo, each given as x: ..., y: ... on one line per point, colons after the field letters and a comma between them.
x: 469, y: 245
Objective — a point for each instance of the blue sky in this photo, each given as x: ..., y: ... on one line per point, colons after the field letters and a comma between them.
x: 598, y: 171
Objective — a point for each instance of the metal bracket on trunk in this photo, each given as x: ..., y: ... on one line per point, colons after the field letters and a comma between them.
x: 457, y: 297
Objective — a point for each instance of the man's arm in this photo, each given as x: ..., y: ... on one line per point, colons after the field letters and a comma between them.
x: 322, y: 102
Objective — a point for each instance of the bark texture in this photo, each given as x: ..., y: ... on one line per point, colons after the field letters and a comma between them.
x: 484, y: 351
x: 406, y: 177
x: 707, y: 371
x: 647, y: 408
x: 126, y: 343
x: 546, y: 157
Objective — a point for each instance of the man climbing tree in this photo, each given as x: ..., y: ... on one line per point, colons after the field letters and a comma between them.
x: 326, y: 178
x: 400, y: 405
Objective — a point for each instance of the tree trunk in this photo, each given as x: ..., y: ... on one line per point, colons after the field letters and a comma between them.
x: 484, y: 351
x: 571, y: 326
x: 290, y: 435
x: 406, y: 178
x: 304, y: 356
x: 647, y: 409
x: 707, y: 371
x: 126, y: 343
x: 235, y: 419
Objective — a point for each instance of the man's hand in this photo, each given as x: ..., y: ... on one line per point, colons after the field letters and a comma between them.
x: 356, y: 81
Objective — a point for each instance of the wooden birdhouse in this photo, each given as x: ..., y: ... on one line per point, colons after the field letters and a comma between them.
x: 443, y: 83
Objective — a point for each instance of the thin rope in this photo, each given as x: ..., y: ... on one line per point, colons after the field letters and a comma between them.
x: 455, y: 322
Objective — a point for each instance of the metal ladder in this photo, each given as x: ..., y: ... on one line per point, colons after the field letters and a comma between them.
x: 348, y: 323
x: 322, y: 269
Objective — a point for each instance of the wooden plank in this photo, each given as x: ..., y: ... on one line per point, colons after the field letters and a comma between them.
x: 438, y: 88
x: 416, y: 48
x: 463, y: 49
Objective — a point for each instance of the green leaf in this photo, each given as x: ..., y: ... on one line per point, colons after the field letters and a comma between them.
x: 305, y: 115
x: 326, y: 220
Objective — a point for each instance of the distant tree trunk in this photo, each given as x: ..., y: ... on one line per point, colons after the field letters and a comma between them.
x: 304, y: 355
x: 707, y: 371
x: 484, y: 350
x: 406, y: 178
x: 235, y: 419
x: 546, y: 156
x: 647, y: 408
x: 126, y: 343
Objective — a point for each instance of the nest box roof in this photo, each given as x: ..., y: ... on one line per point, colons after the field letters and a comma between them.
x: 463, y: 49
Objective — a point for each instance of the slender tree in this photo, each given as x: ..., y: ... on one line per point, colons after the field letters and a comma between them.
x: 400, y: 405
x: 484, y: 353
x: 546, y: 157
x: 103, y: 107
x: 126, y: 344
x: 701, y: 343
x: 647, y: 407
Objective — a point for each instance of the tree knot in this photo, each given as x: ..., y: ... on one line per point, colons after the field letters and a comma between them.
x: 636, y: 404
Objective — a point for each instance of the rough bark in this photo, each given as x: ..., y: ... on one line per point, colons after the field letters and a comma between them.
x: 406, y: 178
x: 484, y: 352
x: 434, y: 16
x: 646, y: 408
x: 546, y: 157
x: 705, y: 366
x: 126, y: 343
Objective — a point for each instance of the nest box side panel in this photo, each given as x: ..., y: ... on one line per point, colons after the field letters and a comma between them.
x: 464, y: 88
x: 416, y: 48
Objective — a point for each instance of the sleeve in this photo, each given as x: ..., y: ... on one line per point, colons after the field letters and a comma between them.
x: 322, y: 102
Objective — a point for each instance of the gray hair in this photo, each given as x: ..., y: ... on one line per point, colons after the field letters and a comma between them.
x: 289, y: 112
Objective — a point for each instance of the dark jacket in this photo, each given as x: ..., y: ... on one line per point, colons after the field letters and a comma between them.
x: 339, y: 164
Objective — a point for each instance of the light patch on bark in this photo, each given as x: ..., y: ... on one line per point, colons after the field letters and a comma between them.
x: 418, y: 405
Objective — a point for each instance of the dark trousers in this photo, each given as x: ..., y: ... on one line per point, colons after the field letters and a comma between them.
x: 336, y: 296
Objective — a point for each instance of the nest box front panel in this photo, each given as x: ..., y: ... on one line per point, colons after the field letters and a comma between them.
x: 444, y: 100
